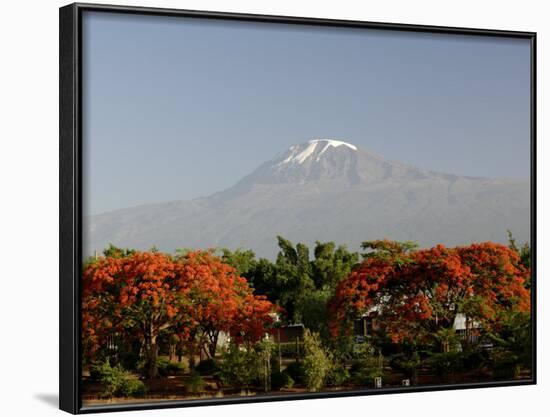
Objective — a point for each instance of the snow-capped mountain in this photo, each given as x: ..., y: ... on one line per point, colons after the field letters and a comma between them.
x: 327, y: 159
x: 325, y: 189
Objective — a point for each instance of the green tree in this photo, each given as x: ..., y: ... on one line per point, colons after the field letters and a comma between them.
x: 113, y: 251
x: 387, y: 249
x: 524, y: 250
x: 317, y: 362
x: 244, y: 261
x: 239, y: 367
x: 331, y: 264
x: 313, y: 311
x: 293, y: 277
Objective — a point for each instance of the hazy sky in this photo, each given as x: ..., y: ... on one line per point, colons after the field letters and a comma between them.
x: 176, y: 108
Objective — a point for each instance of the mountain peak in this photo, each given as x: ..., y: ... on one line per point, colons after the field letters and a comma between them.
x: 328, y: 163
x: 313, y: 148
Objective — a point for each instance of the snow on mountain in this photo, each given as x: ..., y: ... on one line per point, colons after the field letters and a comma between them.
x: 298, y: 154
x: 325, y: 189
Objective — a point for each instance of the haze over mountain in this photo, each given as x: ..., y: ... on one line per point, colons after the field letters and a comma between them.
x: 325, y: 190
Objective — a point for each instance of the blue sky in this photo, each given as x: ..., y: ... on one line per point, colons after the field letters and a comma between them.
x: 176, y: 108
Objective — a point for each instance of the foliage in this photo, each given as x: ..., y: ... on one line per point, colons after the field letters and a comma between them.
x: 338, y: 375
x: 281, y: 380
x: 263, y: 351
x: 317, y: 362
x: 222, y: 301
x: 367, y: 364
x: 512, y: 346
x: 387, y: 249
x: 446, y: 363
x: 238, y: 367
x: 149, y: 294
x: 417, y: 293
x: 312, y: 311
x: 448, y: 340
x: 167, y: 368
x: 331, y: 264
x: 408, y: 363
x: 524, y: 251
x: 207, y: 367
x: 300, y: 285
x: 296, y: 372
x: 118, y: 382
x: 137, y: 292
x: 244, y: 261
x: 505, y: 365
x: 195, y: 383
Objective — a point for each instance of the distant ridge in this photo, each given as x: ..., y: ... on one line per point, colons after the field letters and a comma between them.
x: 325, y: 189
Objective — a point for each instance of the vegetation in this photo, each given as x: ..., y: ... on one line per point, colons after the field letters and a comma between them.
x: 147, y: 294
x: 281, y: 380
x: 417, y: 294
x: 118, y: 382
x: 239, y: 367
x: 195, y: 383
x: 317, y: 362
x: 210, y: 321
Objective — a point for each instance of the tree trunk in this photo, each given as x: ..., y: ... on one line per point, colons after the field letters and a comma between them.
x: 172, y: 354
x: 213, y: 344
x: 192, y: 352
x: 151, y: 355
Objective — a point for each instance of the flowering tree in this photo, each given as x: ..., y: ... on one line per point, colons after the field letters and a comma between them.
x: 221, y: 301
x: 417, y: 293
x: 194, y: 296
x: 140, y: 294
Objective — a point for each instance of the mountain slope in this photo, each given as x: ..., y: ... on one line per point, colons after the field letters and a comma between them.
x: 325, y: 190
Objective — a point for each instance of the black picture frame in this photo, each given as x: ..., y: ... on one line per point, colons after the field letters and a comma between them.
x: 70, y: 237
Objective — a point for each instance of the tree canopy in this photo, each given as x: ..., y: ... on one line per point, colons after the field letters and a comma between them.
x: 417, y: 293
x: 193, y: 295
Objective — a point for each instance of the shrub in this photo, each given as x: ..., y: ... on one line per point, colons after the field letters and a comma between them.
x: 473, y: 359
x: 118, y: 382
x: 505, y: 365
x: 446, y: 363
x: 406, y: 363
x: 194, y: 384
x: 238, y: 368
x: 207, y: 367
x: 281, y: 380
x: 296, y: 372
x: 263, y: 363
x: 367, y: 365
x: 337, y: 376
x: 132, y: 387
x: 167, y: 368
x: 317, y: 362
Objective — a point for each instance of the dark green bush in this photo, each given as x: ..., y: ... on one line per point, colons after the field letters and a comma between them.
x: 337, y: 376
x: 132, y: 387
x: 473, y: 359
x: 317, y: 361
x: 446, y: 363
x: 207, y: 367
x: 281, y: 380
x: 239, y: 368
x: 407, y: 363
x: 367, y: 365
x: 296, y: 371
x: 118, y: 382
x: 194, y: 384
x: 505, y: 365
x: 167, y: 368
